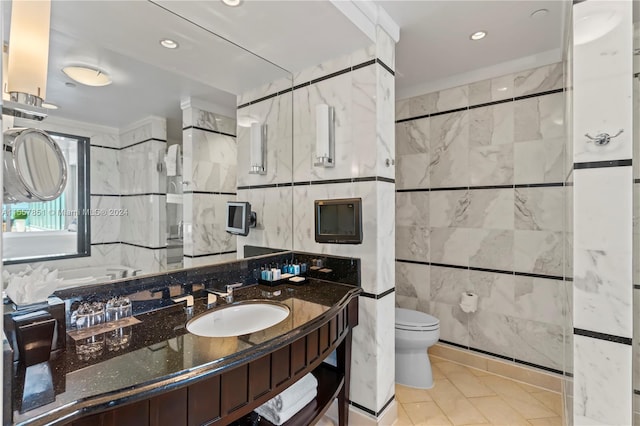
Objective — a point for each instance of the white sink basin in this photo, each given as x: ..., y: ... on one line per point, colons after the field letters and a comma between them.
x: 238, y: 319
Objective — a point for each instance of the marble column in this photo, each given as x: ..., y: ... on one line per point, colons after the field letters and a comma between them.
x: 209, y: 173
x: 603, y: 290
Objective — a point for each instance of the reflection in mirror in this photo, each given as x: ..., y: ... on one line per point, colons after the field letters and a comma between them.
x: 35, y: 169
x: 165, y: 152
x: 47, y: 229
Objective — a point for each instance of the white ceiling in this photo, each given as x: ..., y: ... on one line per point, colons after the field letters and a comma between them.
x: 434, y: 42
x: 122, y: 38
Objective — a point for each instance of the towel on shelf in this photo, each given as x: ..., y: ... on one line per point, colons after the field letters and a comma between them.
x: 292, y: 394
x: 283, y: 406
x: 278, y: 417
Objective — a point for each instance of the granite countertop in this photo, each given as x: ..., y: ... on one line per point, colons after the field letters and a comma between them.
x: 162, y: 354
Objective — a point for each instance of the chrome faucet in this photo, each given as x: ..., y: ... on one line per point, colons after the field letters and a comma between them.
x: 228, y: 296
x: 186, y: 298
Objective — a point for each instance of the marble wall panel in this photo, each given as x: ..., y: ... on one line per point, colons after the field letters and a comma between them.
x: 212, y: 162
x: 145, y: 220
x: 205, y: 218
x: 139, y: 168
x: 105, y: 226
x: 148, y: 260
x: 274, y: 216
x: 537, y: 80
x: 449, y: 149
x: 602, y: 382
x: 105, y: 174
x: 413, y: 290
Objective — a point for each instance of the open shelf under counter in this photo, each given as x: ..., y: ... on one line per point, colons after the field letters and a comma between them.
x: 330, y: 383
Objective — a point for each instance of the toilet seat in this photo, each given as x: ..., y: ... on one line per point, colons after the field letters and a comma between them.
x: 407, y: 319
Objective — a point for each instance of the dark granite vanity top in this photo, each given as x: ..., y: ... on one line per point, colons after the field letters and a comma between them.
x: 163, y: 355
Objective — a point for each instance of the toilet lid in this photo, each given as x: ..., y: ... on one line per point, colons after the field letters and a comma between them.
x: 407, y: 318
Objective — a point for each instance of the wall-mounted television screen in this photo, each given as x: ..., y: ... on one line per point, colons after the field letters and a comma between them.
x: 339, y: 221
x: 238, y: 217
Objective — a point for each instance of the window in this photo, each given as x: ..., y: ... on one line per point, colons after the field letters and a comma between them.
x: 54, y: 229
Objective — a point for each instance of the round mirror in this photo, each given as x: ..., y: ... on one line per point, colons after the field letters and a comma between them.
x: 34, y: 167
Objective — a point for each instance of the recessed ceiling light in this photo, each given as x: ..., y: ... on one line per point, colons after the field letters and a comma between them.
x: 540, y: 13
x: 232, y: 3
x: 168, y: 43
x: 87, y: 76
x: 49, y: 106
x: 478, y: 35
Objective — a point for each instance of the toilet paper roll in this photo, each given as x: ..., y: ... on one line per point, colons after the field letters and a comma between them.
x: 469, y: 302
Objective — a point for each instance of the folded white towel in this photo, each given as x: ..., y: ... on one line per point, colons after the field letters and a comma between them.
x: 293, y: 393
x: 279, y: 417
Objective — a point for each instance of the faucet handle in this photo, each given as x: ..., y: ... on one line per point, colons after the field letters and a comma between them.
x: 230, y: 287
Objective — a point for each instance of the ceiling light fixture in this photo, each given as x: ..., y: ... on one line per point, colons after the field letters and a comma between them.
x: 478, y: 35
x: 540, y: 13
x: 47, y: 105
x: 169, y: 44
x: 232, y: 3
x: 502, y: 89
x: 87, y: 76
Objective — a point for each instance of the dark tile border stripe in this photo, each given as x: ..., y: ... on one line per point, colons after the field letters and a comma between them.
x: 364, y: 64
x: 494, y: 271
x: 602, y: 336
x: 328, y: 76
x: 195, y: 256
x: 636, y: 391
x: 378, y: 296
x: 209, y: 193
x: 485, y: 104
x: 104, y: 195
x: 601, y: 164
x: 535, y: 95
x: 269, y: 185
x: 504, y: 357
x: 386, y: 67
x: 636, y: 181
x: 108, y: 243
x: 474, y: 188
x: 321, y: 182
x: 317, y: 80
x: 372, y: 412
x: 141, y: 246
x: 144, y: 141
x: 636, y: 286
x: 128, y: 146
x: 204, y: 129
x: 501, y: 101
x: 142, y: 194
x: 103, y: 147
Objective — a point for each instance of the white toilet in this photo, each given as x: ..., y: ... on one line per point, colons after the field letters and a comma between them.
x: 415, y: 332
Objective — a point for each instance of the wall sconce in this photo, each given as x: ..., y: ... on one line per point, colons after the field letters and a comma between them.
x: 258, y: 149
x: 325, y: 136
x: 29, y: 51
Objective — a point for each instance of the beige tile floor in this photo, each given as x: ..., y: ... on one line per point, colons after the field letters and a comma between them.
x: 467, y: 396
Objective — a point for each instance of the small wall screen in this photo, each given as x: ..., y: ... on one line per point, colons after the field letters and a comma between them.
x: 338, y: 221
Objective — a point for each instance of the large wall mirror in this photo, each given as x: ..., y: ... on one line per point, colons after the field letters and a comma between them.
x: 166, y: 109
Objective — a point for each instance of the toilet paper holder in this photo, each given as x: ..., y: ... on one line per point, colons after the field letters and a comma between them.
x: 469, y: 302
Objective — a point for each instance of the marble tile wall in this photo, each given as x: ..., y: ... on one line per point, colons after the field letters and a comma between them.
x: 210, y: 175
x: 603, y: 220
x: 480, y: 206
x: 143, y: 194
x: 362, y: 93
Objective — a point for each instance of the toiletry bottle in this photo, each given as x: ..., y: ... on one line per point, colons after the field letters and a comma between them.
x: 303, y: 268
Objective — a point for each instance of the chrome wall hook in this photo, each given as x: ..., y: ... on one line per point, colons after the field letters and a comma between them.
x: 602, y: 138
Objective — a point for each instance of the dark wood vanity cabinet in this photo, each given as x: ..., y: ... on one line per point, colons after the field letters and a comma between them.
x: 235, y: 392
